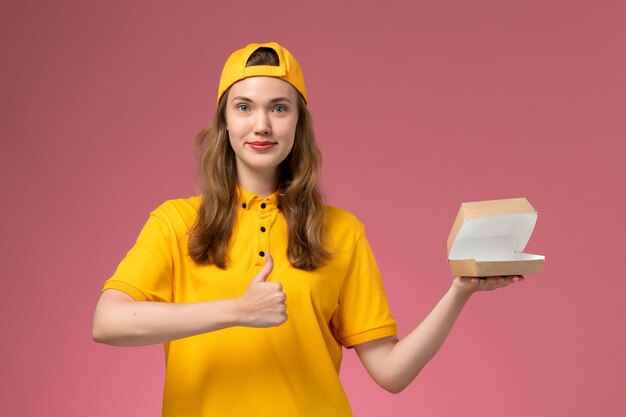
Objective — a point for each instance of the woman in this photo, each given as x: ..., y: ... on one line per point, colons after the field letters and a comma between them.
x: 256, y: 286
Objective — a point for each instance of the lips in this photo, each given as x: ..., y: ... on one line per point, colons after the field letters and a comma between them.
x: 261, y: 145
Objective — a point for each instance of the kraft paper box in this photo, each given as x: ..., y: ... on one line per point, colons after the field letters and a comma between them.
x: 488, y: 237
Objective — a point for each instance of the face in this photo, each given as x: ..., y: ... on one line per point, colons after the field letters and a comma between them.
x: 261, y: 118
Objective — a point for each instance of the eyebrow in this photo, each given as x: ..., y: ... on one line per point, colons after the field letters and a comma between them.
x: 274, y: 100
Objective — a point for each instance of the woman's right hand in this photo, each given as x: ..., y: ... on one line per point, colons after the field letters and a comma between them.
x: 121, y: 321
x: 263, y: 303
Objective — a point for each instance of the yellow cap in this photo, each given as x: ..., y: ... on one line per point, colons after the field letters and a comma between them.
x: 235, y: 68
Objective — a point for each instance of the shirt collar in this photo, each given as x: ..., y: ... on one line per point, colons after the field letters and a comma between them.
x: 252, y: 200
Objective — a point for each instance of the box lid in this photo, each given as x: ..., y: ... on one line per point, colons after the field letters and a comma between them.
x: 493, y: 230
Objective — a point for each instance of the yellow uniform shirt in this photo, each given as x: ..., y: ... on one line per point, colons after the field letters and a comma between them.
x: 290, y: 370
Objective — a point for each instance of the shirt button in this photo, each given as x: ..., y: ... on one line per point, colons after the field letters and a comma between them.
x: 243, y: 205
x: 263, y: 229
x: 263, y: 205
x: 261, y: 254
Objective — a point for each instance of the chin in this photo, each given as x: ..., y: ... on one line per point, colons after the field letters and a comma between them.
x: 262, y: 166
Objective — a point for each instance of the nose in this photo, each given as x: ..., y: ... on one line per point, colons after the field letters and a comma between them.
x: 262, y: 125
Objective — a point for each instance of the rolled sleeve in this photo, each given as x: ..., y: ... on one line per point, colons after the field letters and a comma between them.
x: 363, y: 313
x: 146, y: 271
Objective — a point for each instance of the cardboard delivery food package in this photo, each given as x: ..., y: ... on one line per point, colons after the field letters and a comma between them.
x: 488, y: 237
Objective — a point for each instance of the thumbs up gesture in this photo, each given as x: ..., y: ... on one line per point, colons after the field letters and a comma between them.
x: 263, y: 303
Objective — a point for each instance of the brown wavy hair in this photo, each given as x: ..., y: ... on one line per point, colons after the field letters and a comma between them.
x: 299, y: 196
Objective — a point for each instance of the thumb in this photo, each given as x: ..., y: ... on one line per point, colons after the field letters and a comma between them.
x: 266, y: 270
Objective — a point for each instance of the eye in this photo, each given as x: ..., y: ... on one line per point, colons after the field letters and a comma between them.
x: 280, y: 109
x: 243, y: 107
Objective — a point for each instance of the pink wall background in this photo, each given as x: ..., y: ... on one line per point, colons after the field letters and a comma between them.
x: 418, y: 107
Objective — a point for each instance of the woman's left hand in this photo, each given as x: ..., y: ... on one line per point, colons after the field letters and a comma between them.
x: 470, y: 285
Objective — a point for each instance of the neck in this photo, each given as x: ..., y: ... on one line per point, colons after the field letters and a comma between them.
x: 261, y: 184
